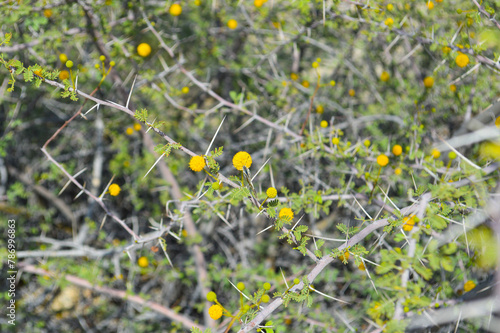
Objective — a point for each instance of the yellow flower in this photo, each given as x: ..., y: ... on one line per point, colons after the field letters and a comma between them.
x: 63, y: 58
x: 389, y: 22
x: 211, y: 296
x: 352, y: 92
x: 175, y: 9
x: 382, y: 160
x: 63, y: 75
x: 294, y: 76
x: 47, y: 13
x: 469, y: 285
x: 323, y: 124
x: 385, y: 76
x: 114, y: 190
x: 397, y: 150
x: 446, y: 49
x: 390, y: 7
x: 430, y: 5
x: 490, y: 150
x: 409, y: 223
x: 241, y: 159
x: 462, y: 60
x: 344, y: 256
x: 398, y: 171
x: 185, y: 90
x: 315, y: 65
x: 143, y: 262
x: 129, y: 131
x: 197, y: 163
x: 306, y: 84
x: 320, y: 109
x: 143, y: 50
x: 258, y: 3
x: 335, y: 141
x: 271, y: 192
x: 332, y: 83
x: 137, y: 127
x: 286, y: 213
x: 215, y: 311
x: 497, y: 122
x: 435, y: 153
x: 453, y: 87
x: 38, y: 72
x: 367, y: 143
x: 232, y: 24
x: 429, y: 82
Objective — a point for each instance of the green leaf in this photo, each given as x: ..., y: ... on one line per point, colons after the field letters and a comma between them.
x: 424, y: 272
x: 447, y: 264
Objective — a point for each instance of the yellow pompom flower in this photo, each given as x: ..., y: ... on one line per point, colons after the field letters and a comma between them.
x: 397, y: 150
x: 271, y: 192
x: 143, y: 50
x: 143, y: 262
x: 462, y: 60
x: 398, y: 171
x: 335, y: 141
x: 490, y: 150
x: 175, y: 9
x: 305, y: 84
x: 435, y: 153
x: 197, y: 163
x: 294, y: 76
x: 47, y: 13
x: 352, y: 92
x: 320, y: 109
x: 469, y: 285
x: 367, y: 143
x: 453, y: 87
x: 129, y: 131
x: 384, y: 77
x: 114, y: 190
x: 63, y: 75
x: 286, y: 213
x: 390, y: 7
x: 430, y: 5
x: 258, y: 3
x: 185, y: 90
x: 323, y: 124
x: 382, y: 160
x: 409, y: 223
x: 232, y: 24
x: 344, y: 256
x: 332, y: 83
x: 215, y: 311
x: 137, y: 127
x: 63, y: 58
x: 241, y: 159
x: 429, y: 82
x: 389, y: 22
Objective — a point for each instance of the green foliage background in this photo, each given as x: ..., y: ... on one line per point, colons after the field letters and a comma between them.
x: 259, y: 85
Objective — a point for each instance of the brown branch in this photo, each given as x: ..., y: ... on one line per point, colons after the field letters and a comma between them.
x: 124, y: 295
x: 324, y: 262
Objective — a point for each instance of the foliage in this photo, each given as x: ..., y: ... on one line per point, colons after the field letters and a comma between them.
x: 314, y: 91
